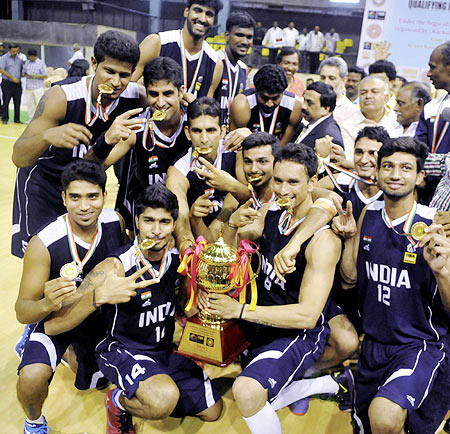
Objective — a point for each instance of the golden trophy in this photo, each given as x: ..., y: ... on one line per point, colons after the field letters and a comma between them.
x: 217, y: 268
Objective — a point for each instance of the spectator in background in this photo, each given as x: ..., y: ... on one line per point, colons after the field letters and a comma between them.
x: 2, y: 52
x: 11, y: 68
x: 302, y: 39
x: 331, y: 40
x: 77, y: 54
x: 255, y: 56
x: 2, y: 49
x: 288, y: 59
x: 290, y: 35
x: 355, y: 75
x: 385, y: 70
x: 274, y: 40
x: 398, y: 83
x: 314, y: 46
x: 34, y: 71
x: 79, y: 68
x: 309, y: 81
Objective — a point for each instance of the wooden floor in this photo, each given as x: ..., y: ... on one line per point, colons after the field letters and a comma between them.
x: 70, y: 411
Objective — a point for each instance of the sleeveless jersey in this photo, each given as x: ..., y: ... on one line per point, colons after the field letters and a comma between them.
x: 353, y: 193
x: 234, y: 81
x: 225, y: 160
x: 398, y: 295
x: 53, y: 160
x: 147, y: 321
x: 277, y: 122
x: 198, y: 79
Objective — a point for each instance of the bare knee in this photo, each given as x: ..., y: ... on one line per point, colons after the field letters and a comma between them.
x: 343, y: 338
x: 212, y: 413
x: 249, y: 395
x: 386, y: 417
x: 33, y: 378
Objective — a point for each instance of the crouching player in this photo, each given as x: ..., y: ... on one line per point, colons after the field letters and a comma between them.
x: 137, y: 353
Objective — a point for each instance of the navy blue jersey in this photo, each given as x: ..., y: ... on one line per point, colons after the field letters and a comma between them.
x: 398, y: 296
x: 353, y: 193
x: 198, y: 80
x: 226, y: 160
x: 55, y: 238
x: 53, y: 160
x: 147, y: 321
x: 155, y: 152
x: 234, y: 81
x: 276, y: 122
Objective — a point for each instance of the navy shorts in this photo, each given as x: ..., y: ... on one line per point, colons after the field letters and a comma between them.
x: 284, y: 360
x: 37, y: 202
x: 126, y: 368
x: 403, y: 374
x: 48, y: 350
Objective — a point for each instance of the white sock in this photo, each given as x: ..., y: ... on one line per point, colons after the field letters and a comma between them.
x: 40, y: 419
x: 310, y: 372
x: 116, y: 400
x: 303, y: 388
x: 264, y: 422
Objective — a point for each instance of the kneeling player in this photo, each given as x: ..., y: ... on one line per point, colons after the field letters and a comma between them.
x: 137, y: 354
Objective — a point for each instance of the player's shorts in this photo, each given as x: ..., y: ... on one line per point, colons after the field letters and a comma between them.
x: 403, y: 374
x: 284, y: 360
x: 37, y: 202
x: 126, y: 368
x: 331, y: 310
x: 48, y: 350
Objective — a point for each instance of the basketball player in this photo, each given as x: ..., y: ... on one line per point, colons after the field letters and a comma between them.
x: 404, y: 290
x: 69, y: 124
x: 55, y: 262
x: 137, y: 354
x: 202, y: 70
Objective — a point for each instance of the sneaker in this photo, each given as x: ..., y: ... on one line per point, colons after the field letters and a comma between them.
x: 117, y: 420
x: 300, y: 407
x: 346, y: 383
x: 447, y: 426
x: 22, y: 340
x: 36, y: 428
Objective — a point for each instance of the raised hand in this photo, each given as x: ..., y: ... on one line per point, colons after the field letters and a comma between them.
x: 57, y: 291
x: 381, y: 50
x: 123, y: 126
x: 323, y: 146
x: 215, y: 178
x: 202, y: 205
x: 244, y: 215
x: 234, y: 139
x: 436, y: 247
x: 443, y: 218
x: 284, y: 260
x: 344, y: 223
x: 67, y: 135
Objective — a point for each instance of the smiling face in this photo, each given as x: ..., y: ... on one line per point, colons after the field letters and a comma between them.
x: 84, y: 202
x: 365, y: 157
x: 258, y: 161
x: 164, y: 95
x: 289, y: 64
x: 199, y: 20
x: 239, y: 40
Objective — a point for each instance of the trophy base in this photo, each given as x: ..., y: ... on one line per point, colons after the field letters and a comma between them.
x: 218, y: 345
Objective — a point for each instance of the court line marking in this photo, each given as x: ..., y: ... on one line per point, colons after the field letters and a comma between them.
x: 8, y: 137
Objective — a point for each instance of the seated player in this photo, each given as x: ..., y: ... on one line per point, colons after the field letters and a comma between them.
x: 403, y: 291
x: 287, y: 329
x: 56, y: 260
x: 137, y: 354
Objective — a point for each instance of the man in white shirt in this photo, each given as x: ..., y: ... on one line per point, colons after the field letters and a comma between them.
x: 77, y: 54
x: 314, y: 45
x: 373, y: 95
x: 334, y: 71
x: 290, y: 35
x: 274, y: 40
x: 302, y: 40
x: 331, y: 40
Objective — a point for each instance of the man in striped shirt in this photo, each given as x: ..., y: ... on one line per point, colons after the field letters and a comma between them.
x: 34, y: 71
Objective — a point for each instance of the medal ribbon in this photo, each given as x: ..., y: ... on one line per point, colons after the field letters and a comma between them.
x: 437, y: 140
x: 100, y: 112
x: 284, y: 223
x: 232, y: 84
x: 355, y: 176
x: 272, y: 124
x: 256, y: 201
x: 196, y: 163
x: 184, y: 64
x: 149, y: 128
x: 73, y: 246
x: 164, y: 266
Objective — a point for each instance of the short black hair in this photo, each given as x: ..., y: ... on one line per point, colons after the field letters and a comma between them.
x: 260, y: 138
x: 116, y: 45
x: 84, y: 170
x: 357, y: 70
x: 327, y: 94
x: 203, y: 106
x: 217, y: 5
x: 78, y: 68
x: 419, y: 90
x: 383, y: 66
x: 286, y: 51
x: 32, y: 52
x: 298, y: 153
x: 401, y: 78
x: 409, y: 145
x: 270, y: 78
x: 377, y: 133
x: 156, y: 196
x: 240, y: 19
x: 13, y: 46
x: 163, y: 68
x: 445, y: 47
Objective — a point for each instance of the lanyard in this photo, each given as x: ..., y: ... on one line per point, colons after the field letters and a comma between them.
x: 149, y: 127
x: 100, y: 112
x: 196, y: 163
x: 256, y: 201
x: 285, y: 225
x: 184, y: 63
x: 272, y: 124
x: 353, y: 175
x: 73, y: 247
x: 142, y: 261
x: 232, y: 83
x: 437, y: 140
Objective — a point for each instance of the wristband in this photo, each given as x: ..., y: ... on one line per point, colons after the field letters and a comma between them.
x: 101, y: 148
x: 242, y: 311
x: 96, y: 306
x: 326, y: 204
x: 235, y: 228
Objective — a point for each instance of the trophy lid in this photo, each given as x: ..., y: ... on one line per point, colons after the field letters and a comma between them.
x: 219, y: 253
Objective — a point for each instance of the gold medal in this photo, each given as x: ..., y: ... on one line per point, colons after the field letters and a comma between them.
x: 204, y: 151
x: 104, y: 88
x: 284, y: 202
x: 253, y: 179
x: 158, y: 115
x: 70, y: 270
x: 147, y: 244
x: 418, y: 230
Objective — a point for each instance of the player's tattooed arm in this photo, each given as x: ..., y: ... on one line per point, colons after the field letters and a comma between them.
x: 41, y: 106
